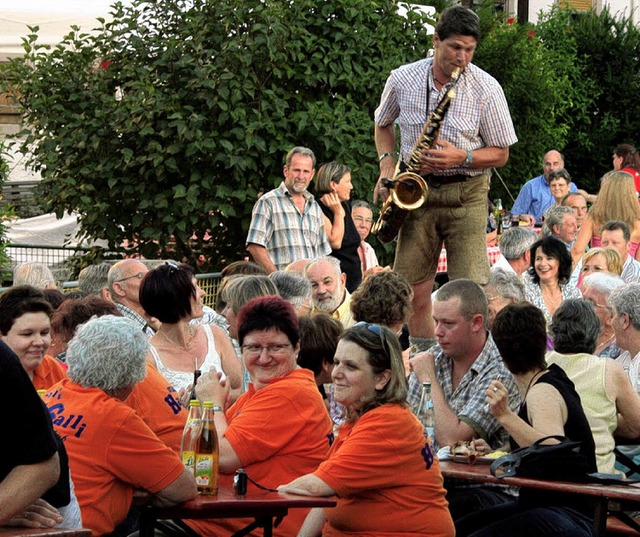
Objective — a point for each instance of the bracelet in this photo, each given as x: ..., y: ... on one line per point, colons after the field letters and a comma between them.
x: 384, y: 156
x: 469, y: 160
x: 217, y: 408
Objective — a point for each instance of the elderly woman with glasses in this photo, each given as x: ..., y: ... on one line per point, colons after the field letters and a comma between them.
x: 382, y: 467
x: 279, y: 429
x: 171, y: 294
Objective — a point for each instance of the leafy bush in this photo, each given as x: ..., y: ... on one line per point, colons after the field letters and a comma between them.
x: 543, y: 85
x: 164, y: 127
x: 6, y: 215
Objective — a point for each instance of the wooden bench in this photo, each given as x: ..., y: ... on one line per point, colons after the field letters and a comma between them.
x: 615, y: 526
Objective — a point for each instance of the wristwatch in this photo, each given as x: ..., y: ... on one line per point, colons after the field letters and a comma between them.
x: 217, y: 408
x: 469, y: 160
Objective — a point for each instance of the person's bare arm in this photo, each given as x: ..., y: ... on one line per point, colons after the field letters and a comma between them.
x: 181, y: 490
x: 449, y: 428
x: 313, y: 524
x: 385, y: 138
x: 39, y: 514
x: 546, y: 407
x: 584, y: 236
x: 261, y: 257
x: 445, y: 155
x: 335, y: 229
x: 229, y: 361
x: 24, y: 484
x: 307, y: 485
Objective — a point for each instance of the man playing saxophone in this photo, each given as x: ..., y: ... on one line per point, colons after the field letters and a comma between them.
x: 475, y: 136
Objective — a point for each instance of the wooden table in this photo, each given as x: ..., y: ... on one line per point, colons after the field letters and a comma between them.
x: 602, y: 495
x: 45, y: 532
x: 264, y: 507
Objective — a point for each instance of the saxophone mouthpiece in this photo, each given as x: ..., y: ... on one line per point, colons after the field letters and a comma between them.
x: 456, y: 73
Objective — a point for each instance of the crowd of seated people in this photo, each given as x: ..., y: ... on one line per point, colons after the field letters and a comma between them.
x: 315, y: 378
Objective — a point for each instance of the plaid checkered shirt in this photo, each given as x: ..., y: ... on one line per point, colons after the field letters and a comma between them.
x: 468, y: 400
x: 287, y: 234
x: 479, y: 115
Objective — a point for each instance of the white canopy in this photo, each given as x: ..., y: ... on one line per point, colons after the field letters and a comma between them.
x: 54, y: 18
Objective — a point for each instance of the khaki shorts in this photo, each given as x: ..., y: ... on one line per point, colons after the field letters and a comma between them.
x: 455, y: 214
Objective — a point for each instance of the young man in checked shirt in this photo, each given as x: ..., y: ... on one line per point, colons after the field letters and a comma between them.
x: 476, y: 134
x: 460, y: 368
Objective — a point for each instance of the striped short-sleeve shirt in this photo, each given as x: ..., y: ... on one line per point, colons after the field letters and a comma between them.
x: 479, y: 115
x: 287, y: 233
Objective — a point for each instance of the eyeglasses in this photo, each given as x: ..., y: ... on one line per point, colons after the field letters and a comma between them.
x: 274, y: 350
x: 596, y: 305
x: 363, y: 220
x: 140, y: 275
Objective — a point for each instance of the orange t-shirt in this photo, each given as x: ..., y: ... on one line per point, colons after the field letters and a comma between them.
x: 387, y: 479
x: 159, y: 406
x: 279, y: 432
x: 111, y: 452
x: 48, y: 373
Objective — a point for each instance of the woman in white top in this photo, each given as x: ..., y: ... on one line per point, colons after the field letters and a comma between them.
x: 171, y: 294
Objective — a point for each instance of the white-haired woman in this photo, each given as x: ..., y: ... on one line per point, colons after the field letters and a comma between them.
x: 111, y: 450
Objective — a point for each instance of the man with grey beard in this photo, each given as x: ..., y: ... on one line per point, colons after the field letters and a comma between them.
x: 329, y: 293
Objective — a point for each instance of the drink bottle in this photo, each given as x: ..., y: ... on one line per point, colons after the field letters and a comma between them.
x: 207, y: 454
x: 190, y: 436
x: 425, y: 413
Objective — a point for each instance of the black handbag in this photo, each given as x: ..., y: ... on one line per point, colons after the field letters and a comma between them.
x: 563, y: 461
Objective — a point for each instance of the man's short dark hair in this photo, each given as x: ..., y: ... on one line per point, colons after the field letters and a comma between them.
x: 458, y: 20
x: 473, y: 301
x: 614, y: 225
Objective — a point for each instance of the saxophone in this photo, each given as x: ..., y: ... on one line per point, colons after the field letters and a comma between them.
x: 408, y: 189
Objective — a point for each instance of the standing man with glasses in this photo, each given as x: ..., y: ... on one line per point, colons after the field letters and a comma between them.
x: 476, y: 134
x: 124, y: 280
x: 363, y: 219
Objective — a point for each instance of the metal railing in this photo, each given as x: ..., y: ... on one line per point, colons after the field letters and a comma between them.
x: 209, y: 283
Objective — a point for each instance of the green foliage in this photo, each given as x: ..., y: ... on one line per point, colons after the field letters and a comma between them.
x: 164, y: 127
x: 608, y: 50
x: 6, y: 215
x: 544, y: 89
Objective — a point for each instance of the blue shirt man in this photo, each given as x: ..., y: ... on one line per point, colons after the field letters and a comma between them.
x: 535, y: 196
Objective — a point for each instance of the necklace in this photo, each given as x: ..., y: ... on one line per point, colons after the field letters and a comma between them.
x: 552, y: 298
x: 606, y: 342
x: 439, y: 81
x: 190, y: 337
x: 524, y: 397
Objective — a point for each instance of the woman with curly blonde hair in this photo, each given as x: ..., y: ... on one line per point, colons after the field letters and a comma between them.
x: 617, y: 200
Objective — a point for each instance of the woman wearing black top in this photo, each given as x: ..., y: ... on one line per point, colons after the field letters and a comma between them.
x: 551, y: 406
x: 333, y: 189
